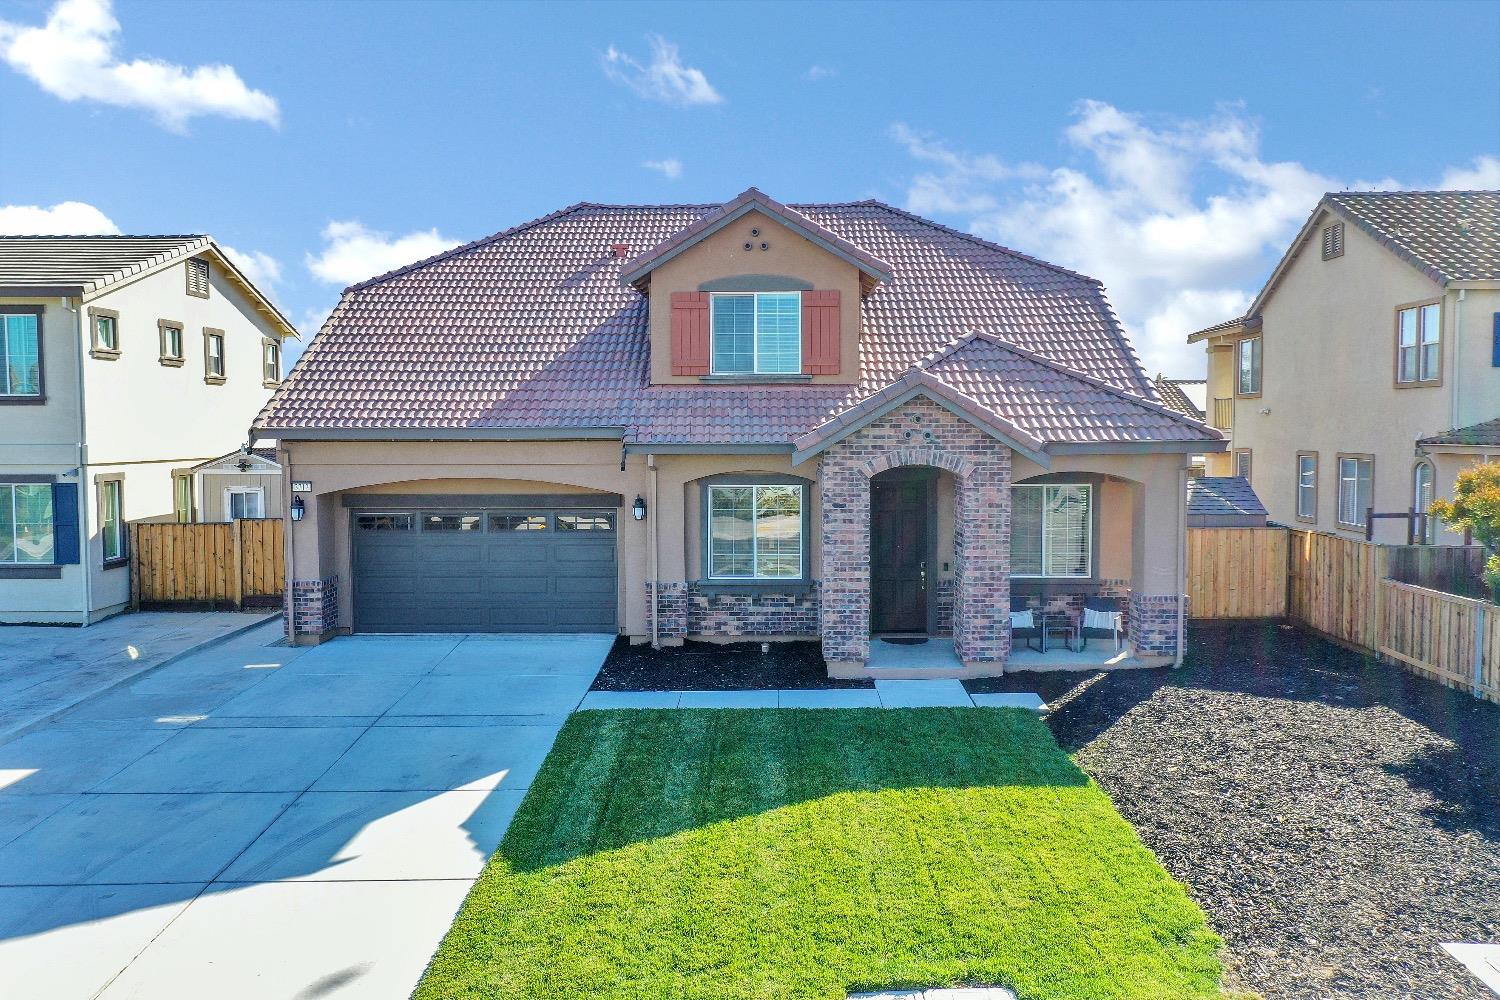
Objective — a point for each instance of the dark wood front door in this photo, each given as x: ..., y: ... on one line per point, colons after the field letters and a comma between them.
x: 900, y: 508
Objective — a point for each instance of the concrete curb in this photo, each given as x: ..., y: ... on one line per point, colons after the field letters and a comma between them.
x: 134, y: 674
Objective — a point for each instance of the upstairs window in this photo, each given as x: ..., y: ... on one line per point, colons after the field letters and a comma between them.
x: 104, y: 330
x: 213, y: 356
x: 1419, y: 331
x: 756, y: 333
x: 169, y: 333
x: 197, y: 278
x: 21, y: 355
x: 1247, y: 366
x: 270, y: 361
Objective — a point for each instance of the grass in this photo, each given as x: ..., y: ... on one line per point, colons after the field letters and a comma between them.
x: 699, y: 855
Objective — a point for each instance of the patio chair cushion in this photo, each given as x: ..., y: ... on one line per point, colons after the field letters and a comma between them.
x: 1022, y: 619
x: 1105, y: 621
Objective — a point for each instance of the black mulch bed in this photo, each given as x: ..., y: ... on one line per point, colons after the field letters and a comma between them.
x: 1337, y: 818
x: 709, y: 666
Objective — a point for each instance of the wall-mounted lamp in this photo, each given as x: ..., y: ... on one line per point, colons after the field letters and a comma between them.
x: 639, y: 508
x: 298, y: 508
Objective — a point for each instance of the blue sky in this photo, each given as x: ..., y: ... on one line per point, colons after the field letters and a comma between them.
x: 1171, y: 150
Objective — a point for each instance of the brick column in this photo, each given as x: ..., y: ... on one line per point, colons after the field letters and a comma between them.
x: 981, y: 618
x: 1152, y: 624
x: 313, y: 607
x: 844, y: 615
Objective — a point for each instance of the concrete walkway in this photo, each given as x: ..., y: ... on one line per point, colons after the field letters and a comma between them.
x: 885, y: 694
x: 271, y: 822
x: 45, y: 669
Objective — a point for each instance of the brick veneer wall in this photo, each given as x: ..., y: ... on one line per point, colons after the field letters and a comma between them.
x: 1153, y: 624
x: 686, y: 609
x: 314, y: 606
x: 918, y: 433
x: 943, y: 594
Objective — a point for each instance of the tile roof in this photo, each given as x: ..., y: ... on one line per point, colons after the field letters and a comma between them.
x: 1222, y: 496
x: 533, y: 328
x: 1480, y: 435
x: 1452, y: 235
x: 1224, y: 327
x: 1181, y: 394
x: 88, y: 263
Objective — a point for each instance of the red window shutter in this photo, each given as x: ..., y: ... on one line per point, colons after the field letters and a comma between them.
x: 689, y: 333
x: 820, y: 332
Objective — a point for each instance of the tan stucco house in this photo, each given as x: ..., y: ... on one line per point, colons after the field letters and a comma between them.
x: 1355, y: 380
x: 734, y: 420
x: 122, y: 360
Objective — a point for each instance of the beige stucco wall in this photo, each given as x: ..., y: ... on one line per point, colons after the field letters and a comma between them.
x: 211, y: 506
x: 1328, y: 381
x: 1140, y: 502
x: 723, y: 255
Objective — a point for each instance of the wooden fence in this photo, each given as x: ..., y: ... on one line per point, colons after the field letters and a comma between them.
x: 1452, y: 569
x: 1335, y: 585
x: 1237, y: 572
x: 1452, y: 639
x: 207, y: 565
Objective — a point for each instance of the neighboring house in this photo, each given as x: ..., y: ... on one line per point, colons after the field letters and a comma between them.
x: 746, y: 419
x: 1188, y: 396
x: 1223, y: 502
x: 242, y: 484
x: 1378, y: 331
x: 122, y: 358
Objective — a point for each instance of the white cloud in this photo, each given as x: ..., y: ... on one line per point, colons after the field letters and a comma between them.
x: 67, y: 218
x: 666, y: 79
x: 263, y: 270
x: 1484, y: 175
x: 73, y: 57
x: 670, y: 168
x: 352, y: 253
x: 1181, y: 219
x: 816, y: 73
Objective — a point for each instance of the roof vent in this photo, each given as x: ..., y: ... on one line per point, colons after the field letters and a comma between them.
x: 620, y: 250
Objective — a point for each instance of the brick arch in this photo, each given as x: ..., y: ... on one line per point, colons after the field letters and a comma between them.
x: 936, y: 457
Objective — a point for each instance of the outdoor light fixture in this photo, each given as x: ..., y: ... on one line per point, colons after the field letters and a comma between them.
x: 639, y: 508
x: 298, y: 508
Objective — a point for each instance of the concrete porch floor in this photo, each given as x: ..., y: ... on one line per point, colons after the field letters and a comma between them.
x: 936, y: 658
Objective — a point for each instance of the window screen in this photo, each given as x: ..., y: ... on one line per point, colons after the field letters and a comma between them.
x: 1051, y: 530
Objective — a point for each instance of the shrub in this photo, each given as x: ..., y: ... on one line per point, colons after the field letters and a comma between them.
x: 1476, y: 507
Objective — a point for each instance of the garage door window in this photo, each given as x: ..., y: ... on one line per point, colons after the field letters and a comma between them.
x: 452, y: 522
x: 585, y: 522
x: 386, y: 522
x: 518, y: 522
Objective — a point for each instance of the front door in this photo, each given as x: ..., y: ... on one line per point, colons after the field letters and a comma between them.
x: 900, y: 508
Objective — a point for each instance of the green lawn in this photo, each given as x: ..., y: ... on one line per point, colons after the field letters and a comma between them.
x: 754, y: 854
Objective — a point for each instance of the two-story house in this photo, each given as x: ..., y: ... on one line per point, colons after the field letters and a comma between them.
x: 122, y: 359
x: 1354, y: 381
x: 836, y: 421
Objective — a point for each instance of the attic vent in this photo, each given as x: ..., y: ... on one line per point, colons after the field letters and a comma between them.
x: 197, y: 278
x: 1333, y: 241
x: 620, y: 250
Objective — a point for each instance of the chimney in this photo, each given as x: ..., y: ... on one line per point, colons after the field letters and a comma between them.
x: 620, y: 250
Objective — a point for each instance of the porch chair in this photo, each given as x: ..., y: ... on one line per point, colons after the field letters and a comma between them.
x: 1025, y: 625
x: 1101, y: 620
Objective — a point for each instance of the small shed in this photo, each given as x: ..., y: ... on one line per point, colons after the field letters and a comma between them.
x: 241, y: 484
x: 1223, y: 502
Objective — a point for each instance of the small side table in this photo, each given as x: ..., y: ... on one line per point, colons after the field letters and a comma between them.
x: 1058, y: 623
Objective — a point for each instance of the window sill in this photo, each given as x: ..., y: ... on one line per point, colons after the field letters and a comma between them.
x: 101, y: 354
x: 1049, y: 586
x: 22, y: 400
x: 714, y: 588
x: 1306, y: 520
x: 266, y: 383
x: 213, y: 379
x: 116, y: 563
x: 752, y: 379
x: 1431, y: 383
x: 43, y: 571
x: 170, y: 362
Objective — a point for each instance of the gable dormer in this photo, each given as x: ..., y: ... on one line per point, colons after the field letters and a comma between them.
x: 756, y: 293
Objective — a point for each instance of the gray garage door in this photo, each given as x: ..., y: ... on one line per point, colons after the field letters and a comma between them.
x: 491, y: 570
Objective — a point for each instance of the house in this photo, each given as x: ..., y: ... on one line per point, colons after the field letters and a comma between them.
x: 1360, y: 378
x: 246, y: 483
x: 122, y: 358
x: 1188, y: 396
x: 730, y: 420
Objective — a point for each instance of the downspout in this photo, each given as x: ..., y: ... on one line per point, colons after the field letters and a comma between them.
x: 1458, y: 341
x: 85, y: 550
x: 284, y: 458
x: 1181, y: 566
x: 655, y: 557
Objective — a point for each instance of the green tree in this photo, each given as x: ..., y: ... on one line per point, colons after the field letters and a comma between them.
x: 1476, y: 507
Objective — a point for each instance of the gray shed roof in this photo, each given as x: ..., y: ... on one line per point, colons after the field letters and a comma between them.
x: 1222, y: 496
x: 1481, y: 435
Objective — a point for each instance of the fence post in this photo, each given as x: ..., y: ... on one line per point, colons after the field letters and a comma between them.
x: 237, y: 564
x: 135, y: 567
x: 1479, y: 636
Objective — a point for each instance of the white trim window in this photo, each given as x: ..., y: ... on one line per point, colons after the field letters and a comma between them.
x: 1356, y: 489
x: 242, y: 502
x: 27, y: 531
x: 755, y: 532
x: 1419, y: 332
x: 755, y: 333
x: 1052, y: 530
x: 20, y: 355
x: 1307, y: 486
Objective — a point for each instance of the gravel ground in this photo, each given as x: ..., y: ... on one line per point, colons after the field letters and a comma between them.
x: 710, y: 666
x: 1335, y: 817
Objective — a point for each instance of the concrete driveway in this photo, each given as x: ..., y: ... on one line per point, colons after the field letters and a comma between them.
x: 262, y: 821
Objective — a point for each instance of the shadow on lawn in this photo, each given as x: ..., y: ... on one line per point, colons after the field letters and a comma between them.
x: 620, y: 778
